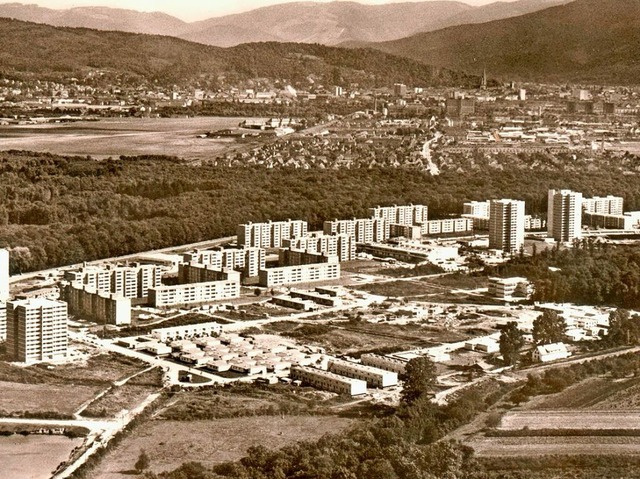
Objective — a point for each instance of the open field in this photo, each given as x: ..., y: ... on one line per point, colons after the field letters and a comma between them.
x: 542, y: 446
x: 170, y: 443
x: 17, y: 398
x: 570, y: 419
x: 51, y: 391
x: 126, y: 396
x: 123, y: 136
x: 33, y: 456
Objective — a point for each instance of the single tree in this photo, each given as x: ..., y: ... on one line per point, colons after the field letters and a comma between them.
x: 548, y: 328
x: 511, y: 341
x: 419, y: 378
x: 143, y: 462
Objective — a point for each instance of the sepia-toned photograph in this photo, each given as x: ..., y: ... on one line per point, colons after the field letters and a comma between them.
x: 320, y: 239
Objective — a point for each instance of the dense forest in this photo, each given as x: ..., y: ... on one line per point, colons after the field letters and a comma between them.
x: 58, y: 210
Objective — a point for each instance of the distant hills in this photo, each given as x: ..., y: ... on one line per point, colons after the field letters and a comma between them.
x: 586, y: 40
x: 51, y: 51
x: 301, y: 22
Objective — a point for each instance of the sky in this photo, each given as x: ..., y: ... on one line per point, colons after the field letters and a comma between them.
x: 191, y: 10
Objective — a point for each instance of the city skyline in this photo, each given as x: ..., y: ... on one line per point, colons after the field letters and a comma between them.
x: 192, y: 10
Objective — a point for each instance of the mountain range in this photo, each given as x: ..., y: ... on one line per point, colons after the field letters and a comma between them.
x: 331, y: 23
x: 586, y: 40
x: 48, y: 52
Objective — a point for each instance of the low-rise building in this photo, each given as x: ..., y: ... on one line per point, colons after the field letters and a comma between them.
x: 550, y: 352
x: 184, y: 332
x: 397, y: 366
x: 328, y: 381
x: 294, y: 303
x: 373, y: 376
x: 508, y: 288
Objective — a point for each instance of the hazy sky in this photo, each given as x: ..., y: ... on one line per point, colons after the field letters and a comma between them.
x: 190, y: 10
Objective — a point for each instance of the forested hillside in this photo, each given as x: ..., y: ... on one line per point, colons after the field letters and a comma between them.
x: 63, y: 210
x: 50, y: 51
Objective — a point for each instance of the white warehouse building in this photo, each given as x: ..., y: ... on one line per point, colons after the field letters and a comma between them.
x: 374, y: 377
x: 328, y: 381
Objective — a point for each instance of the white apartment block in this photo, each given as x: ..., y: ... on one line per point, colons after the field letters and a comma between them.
x: 401, y: 215
x: 341, y: 245
x: 448, y: 226
x: 328, y: 381
x: 184, y: 332
x: 270, y: 234
x: 607, y: 205
x: 4, y: 275
x: 506, y: 288
x: 397, y: 366
x: 204, y: 273
x: 109, y: 308
x: 129, y: 281
x: 364, y: 230
x: 305, y: 273
x: 249, y: 260
x: 374, y: 377
x: 164, y: 296
x: 37, y: 330
x: 506, y: 225
x: 476, y: 208
x: 564, y: 217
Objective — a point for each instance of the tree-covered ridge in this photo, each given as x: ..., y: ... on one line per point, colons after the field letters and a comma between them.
x: 63, y: 210
x: 46, y: 50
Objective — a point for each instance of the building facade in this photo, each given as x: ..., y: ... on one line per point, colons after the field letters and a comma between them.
x: 364, y: 230
x: 328, y: 381
x: 37, y: 330
x: 306, y: 273
x: 109, y: 308
x: 270, y: 234
x: 506, y: 225
x: 564, y: 217
x: 165, y: 296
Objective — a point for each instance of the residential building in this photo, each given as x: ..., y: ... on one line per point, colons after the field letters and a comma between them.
x: 607, y: 205
x: 401, y: 215
x: 476, y: 208
x: 36, y: 330
x: 550, y: 352
x: 397, y: 366
x: 292, y: 257
x: 184, y: 332
x: 182, y: 294
x: 506, y: 225
x: 204, y: 273
x: 105, y: 308
x: 305, y: 273
x: 508, y: 288
x: 341, y: 245
x: 460, y: 107
x: 364, y: 230
x: 447, y: 227
x: 374, y: 377
x: 248, y: 260
x: 130, y: 281
x: 328, y: 381
x: 625, y: 221
x: 270, y: 234
x: 4, y: 275
x: 564, y: 217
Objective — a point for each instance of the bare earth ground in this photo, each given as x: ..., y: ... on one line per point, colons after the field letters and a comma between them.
x: 122, y: 136
x: 171, y: 443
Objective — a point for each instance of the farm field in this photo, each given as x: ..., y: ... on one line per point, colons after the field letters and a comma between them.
x: 168, y: 443
x: 570, y: 419
x: 542, y: 446
x: 122, y: 136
